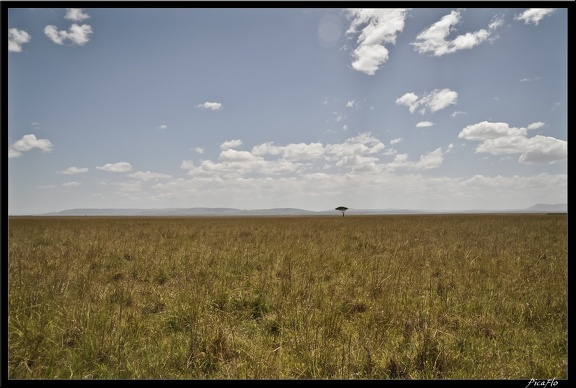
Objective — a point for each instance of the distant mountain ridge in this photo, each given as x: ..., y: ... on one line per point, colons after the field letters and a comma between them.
x: 205, y: 211
x: 562, y: 207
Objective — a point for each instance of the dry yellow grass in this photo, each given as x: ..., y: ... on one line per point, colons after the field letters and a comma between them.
x: 355, y: 297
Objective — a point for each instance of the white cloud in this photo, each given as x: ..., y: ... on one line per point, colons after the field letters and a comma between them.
x: 537, y: 125
x: 163, y: 126
x: 73, y: 170
x: 351, y: 104
x: 361, y: 154
x: 358, y: 153
x: 71, y: 184
x: 199, y: 150
x: 432, y: 159
x: 529, y: 79
x: 410, y: 100
x: 26, y: 143
x: 534, y: 15
x: 489, y: 130
x: 424, y: 124
x: 369, y: 58
x: 355, y: 174
x: 544, y: 150
x: 302, y: 151
x: 433, y: 101
x: 211, y: 105
x: 395, y: 141
x: 266, y: 149
x: 76, y: 15
x: 230, y: 144
x: 12, y: 153
x: 500, y: 139
x: 457, y: 113
x: 380, y: 27
x: 429, y: 160
x: 148, y: 175
x: 440, y: 99
x: 78, y: 35
x: 433, y: 40
x: 16, y: 38
x: 291, y: 152
x: 116, y: 167
x: 231, y: 155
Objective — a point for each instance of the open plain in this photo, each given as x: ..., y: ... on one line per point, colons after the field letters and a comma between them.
x: 459, y: 296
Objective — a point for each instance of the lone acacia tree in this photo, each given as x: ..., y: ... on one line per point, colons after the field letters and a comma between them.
x: 342, y: 209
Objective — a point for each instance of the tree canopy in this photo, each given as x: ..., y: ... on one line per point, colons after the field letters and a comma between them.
x: 342, y: 209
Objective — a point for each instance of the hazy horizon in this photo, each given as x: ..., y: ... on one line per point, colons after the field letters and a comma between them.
x: 437, y: 109
x: 282, y: 211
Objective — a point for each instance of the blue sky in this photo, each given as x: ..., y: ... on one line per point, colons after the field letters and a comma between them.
x: 441, y: 109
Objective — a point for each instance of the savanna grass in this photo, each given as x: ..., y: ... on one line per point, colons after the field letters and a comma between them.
x: 354, y: 297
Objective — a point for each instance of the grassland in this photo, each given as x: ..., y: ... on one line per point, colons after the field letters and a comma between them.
x: 354, y: 297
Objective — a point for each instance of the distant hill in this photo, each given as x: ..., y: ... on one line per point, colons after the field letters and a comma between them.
x: 212, y: 212
x: 196, y: 211
x: 559, y: 208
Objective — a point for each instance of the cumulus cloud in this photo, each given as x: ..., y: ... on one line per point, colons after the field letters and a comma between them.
x: 16, y: 38
x: 537, y: 125
x: 163, y: 126
x: 360, y: 154
x: 230, y: 155
x: 424, y: 124
x: 26, y: 143
x: 501, y: 139
x: 71, y: 184
x: 76, y: 34
x: 410, y: 100
x: 544, y: 150
x: 534, y: 15
x: 302, y: 151
x: 73, y: 170
x: 76, y: 15
x: 148, y: 175
x: 378, y: 27
x: 434, y: 38
x: 211, y: 105
x: 116, y: 167
x: 230, y: 144
x: 427, y: 161
x: 267, y: 148
x: 433, y: 101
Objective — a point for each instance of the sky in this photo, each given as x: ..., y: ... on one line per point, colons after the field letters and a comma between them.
x: 437, y: 109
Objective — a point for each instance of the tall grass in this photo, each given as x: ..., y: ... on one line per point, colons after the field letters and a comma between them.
x: 355, y: 297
